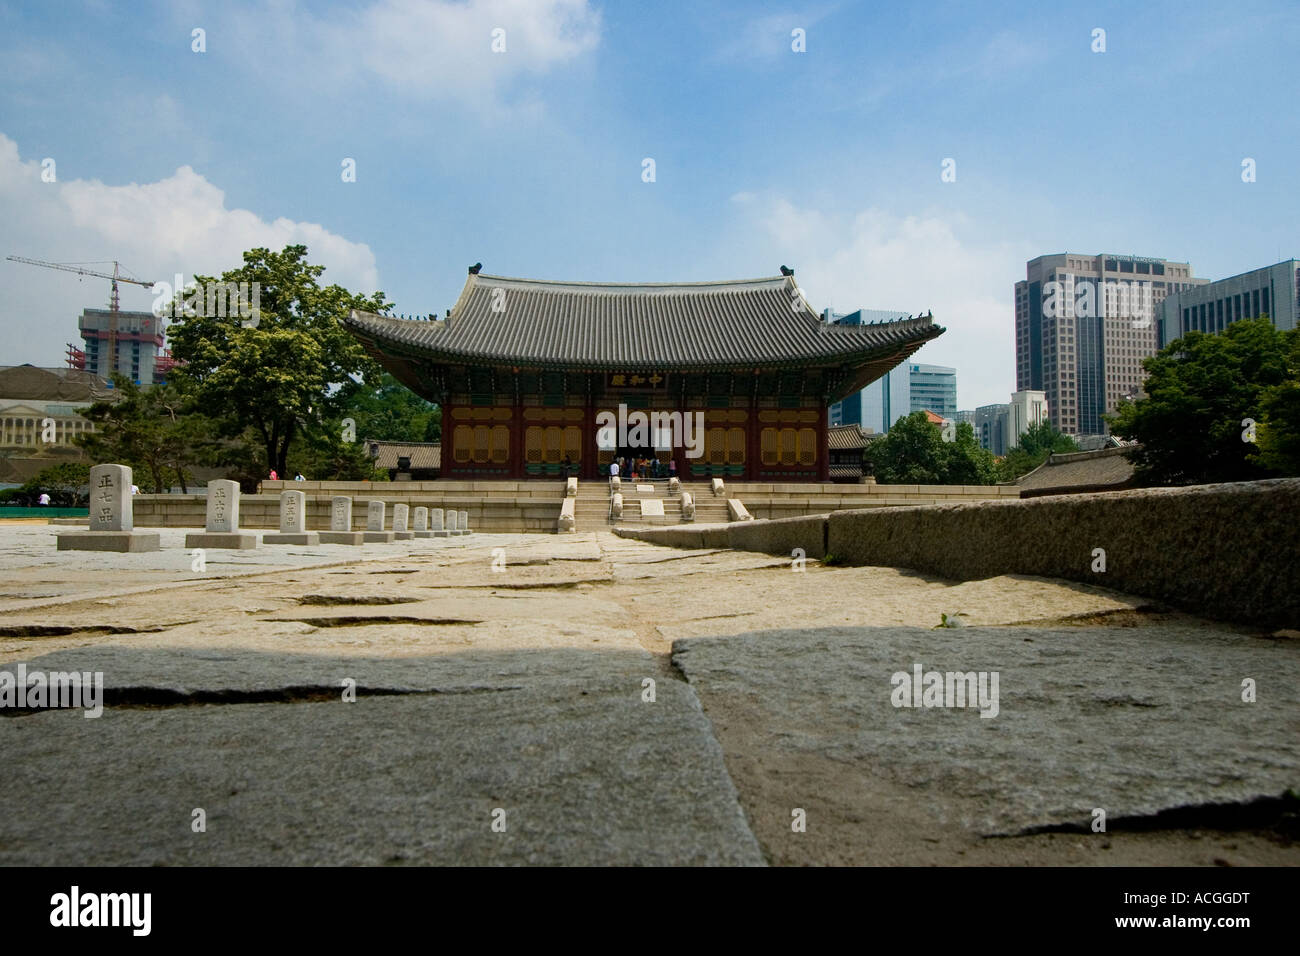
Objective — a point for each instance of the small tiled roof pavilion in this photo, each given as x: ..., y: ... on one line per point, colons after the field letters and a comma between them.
x: 522, y: 367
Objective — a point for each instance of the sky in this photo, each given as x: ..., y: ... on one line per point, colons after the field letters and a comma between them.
x: 120, y: 140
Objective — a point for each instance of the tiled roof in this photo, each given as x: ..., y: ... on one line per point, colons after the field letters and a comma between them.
x: 1100, y: 470
x: 751, y: 323
x: 845, y: 438
x: 423, y: 455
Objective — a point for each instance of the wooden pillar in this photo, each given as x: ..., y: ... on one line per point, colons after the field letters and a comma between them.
x: 588, y: 469
x: 823, y: 443
x: 449, y: 464
x: 517, y: 440
x: 753, y: 443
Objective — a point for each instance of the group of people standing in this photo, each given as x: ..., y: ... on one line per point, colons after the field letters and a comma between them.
x: 635, y: 468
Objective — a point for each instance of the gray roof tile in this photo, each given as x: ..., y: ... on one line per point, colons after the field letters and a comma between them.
x: 586, y: 325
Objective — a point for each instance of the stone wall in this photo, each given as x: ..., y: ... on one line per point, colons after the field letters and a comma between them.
x: 1229, y: 551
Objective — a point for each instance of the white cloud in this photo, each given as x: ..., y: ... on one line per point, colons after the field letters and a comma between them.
x: 429, y: 49
x: 178, y: 224
x: 878, y: 260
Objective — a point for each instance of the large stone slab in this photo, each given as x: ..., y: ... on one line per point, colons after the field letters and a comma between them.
x: 222, y: 540
x: 120, y: 541
x: 781, y: 536
x: 305, y: 538
x: 586, y: 772
x: 1131, y: 720
x: 343, y: 537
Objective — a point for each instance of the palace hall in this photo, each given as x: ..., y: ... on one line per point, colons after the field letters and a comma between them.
x: 522, y: 368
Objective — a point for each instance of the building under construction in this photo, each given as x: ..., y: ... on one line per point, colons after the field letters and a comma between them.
x: 140, y: 353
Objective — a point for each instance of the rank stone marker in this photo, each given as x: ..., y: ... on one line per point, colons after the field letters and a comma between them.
x: 421, y: 526
x: 435, y: 523
x: 221, y: 530
x: 452, y: 518
x: 400, y: 513
x: 340, y: 531
x: 112, y: 522
x: 462, y: 522
x: 375, y: 514
x: 293, y: 521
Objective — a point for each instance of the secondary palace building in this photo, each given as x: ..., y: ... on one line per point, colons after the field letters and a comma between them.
x: 522, y: 368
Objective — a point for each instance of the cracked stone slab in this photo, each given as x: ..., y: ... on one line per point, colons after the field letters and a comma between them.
x: 585, y: 770
x: 1132, y: 720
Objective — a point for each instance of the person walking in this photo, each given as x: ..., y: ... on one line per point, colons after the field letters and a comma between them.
x: 613, y: 471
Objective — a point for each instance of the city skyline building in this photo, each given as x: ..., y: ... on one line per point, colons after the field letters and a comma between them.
x: 1083, y: 325
x: 900, y: 391
x: 1272, y: 290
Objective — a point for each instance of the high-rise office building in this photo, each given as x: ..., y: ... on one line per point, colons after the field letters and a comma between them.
x: 1273, y: 291
x: 900, y: 391
x: 934, y: 389
x: 1083, y: 325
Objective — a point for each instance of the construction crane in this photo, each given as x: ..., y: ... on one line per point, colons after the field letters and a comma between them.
x: 116, y: 276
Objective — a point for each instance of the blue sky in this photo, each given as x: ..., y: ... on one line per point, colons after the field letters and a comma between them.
x: 530, y: 160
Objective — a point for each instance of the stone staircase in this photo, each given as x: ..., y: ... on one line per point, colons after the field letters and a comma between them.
x: 591, y: 512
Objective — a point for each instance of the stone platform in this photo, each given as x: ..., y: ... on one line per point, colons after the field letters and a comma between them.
x: 120, y: 541
x: 227, y: 540
x: 288, y: 537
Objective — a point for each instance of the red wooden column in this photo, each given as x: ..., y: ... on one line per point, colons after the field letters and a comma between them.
x: 589, y: 466
x: 517, y: 440
x: 753, y: 443
x: 448, y: 468
x: 823, y: 444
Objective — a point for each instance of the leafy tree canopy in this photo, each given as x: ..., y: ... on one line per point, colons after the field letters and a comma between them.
x: 152, y: 429
x: 1200, y: 391
x: 289, y: 372
x: 1038, y: 442
x: 913, y: 452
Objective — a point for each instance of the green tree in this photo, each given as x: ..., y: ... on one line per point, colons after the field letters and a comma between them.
x: 1278, y: 434
x: 324, y: 456
x: 1032, y: 449
x: 967, y: 462
x: 913, y: 452
x: 65, y: 482
x: 287, y: 373
x: 153, y: 429
x: 1200, y: 390
x: 390, y: 411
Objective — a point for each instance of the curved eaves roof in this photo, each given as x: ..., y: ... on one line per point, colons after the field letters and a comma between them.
x: 534, y: 323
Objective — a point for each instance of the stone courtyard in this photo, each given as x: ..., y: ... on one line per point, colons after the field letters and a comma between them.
x: 599, y: 700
